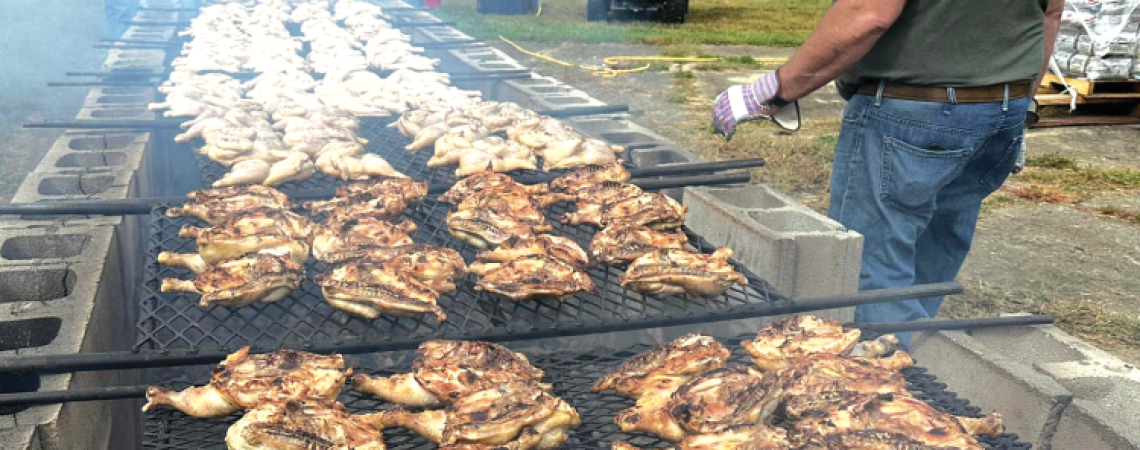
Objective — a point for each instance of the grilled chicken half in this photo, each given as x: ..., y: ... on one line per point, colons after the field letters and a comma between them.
x: 487, y: 181
x: 885, y: 421
x: 676, y: 272
x: 654, y: 210
x: 558, y: 247
x: 484, y: 228
x: 275, y: 231
x: 814, y: 383
x: 244, y: 381
x: 410, y: 191
x: 437, y: 267
x: 713, y: 402
x: 591, y: 199
x: 369, y: 289
x: 532, y: 276
x: 311, y: 423
x: 214, y: 206
x: 445, y: 371
x: 674, y: 362
x: 238, y: 282
x: 336, y: 242
x: 589, y: 176
x: 752, y: 437
x: 519, y: 415
x: 623, y: 243
x: 779, y: 343
x: 514, y: 204
x: 387, y: 206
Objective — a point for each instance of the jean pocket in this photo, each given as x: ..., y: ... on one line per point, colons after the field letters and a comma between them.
x: 912, y: 176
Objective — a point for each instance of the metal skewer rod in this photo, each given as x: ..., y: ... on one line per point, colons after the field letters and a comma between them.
x: 123, y: 73
x: 132, y: 360
x: 144, y: 205
x: 139, y: 391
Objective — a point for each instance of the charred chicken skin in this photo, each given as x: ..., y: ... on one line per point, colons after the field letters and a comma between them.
x: 445, y: 371
x: 779, y: 343
x: 675, y: 363
x: 369, y: 289
x: 677, y: 272
x: 437, y: 267
x: 388, y: 206
x: 589, y: 176
x: 487, y: 181
x: 885, y: 421
x: 713, y: 402
x: 238, y: 282
x: 522, y: 414
x: 520, y: 207
x: 410, y: 191
x: 535, y: 276
x: 214, y: 206
x: 558, y: 247
x: 244, y: 381
x: 623, y: 243
x: 341, y: 241
x: 310, y: 423
x: 272, y: 230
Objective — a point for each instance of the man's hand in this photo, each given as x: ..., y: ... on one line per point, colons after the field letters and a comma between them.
x: 743, y: 103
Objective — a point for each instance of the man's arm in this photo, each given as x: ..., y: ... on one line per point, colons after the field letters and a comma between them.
x: 849, y: 29
x: 1052, y: 25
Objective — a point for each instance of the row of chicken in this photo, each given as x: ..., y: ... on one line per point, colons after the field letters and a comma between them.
x: 256, y: 247
x: 472, y: 137
x: 827, y: 388
x: 477, y: 395
x: 284, y: 124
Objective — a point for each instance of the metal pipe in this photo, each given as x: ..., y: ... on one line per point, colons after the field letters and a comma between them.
x: 130, y: 392
x: 100, y: 83
x: 585, y: 110
x: 124, y: 73
x: 953, y: 324
x: 131, y: 360
x: 99, y: 124
x: 677, y: 169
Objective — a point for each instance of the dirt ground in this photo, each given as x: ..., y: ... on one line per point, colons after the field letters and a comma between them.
x: 1064, y: 259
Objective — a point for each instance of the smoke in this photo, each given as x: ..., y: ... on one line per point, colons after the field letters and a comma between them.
x: 39, y: 41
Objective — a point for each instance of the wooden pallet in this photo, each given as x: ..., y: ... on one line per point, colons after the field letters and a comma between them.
x: 1089, y: 92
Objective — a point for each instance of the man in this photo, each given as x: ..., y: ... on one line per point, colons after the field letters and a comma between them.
x: 937, y: 92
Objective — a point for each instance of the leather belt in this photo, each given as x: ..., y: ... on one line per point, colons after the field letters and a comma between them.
x: 967, y: 94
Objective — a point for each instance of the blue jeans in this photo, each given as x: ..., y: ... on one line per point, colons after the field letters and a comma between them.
x: 910, y: 177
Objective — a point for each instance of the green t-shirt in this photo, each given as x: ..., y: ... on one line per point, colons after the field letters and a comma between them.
x: 958, y: 43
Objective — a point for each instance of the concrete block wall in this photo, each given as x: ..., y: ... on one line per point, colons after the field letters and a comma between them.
x: 65, y: 280
x: 543, y: 93
x: 1052, y: 389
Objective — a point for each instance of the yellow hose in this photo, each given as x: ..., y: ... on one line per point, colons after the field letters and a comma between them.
x: 539, y: 13
x: 607, y: 69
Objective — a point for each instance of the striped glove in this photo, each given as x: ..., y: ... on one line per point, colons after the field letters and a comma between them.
x: 747, y: 102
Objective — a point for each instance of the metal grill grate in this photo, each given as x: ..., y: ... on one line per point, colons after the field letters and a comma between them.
x: 383, y: 141
x: 572, y: 375
x: 175, y: 321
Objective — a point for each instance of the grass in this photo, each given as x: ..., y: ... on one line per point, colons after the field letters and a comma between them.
x: 1052, y: 178
x: 778, y: 23
x: 1124, y: 214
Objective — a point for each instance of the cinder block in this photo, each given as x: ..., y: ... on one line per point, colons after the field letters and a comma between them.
x: 115, y: 112
x: 66, y: 308
x: 134, y: 59
x: 49, y: 245
x: 156, y: 15
x: 98, y: 97
x: 1086, y: 425
x: 56, y: 186
x: 617, y: 129
x: 478, y: 59
x: 437, y: 34
x: 1029, y: 402
x: 149, y: 33
x: 539, y: 92
x: 96, y: 151
x: 801, y: 252
x: 19, y: 438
